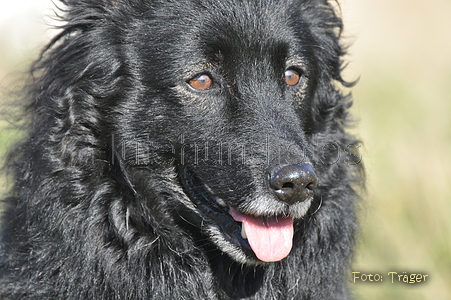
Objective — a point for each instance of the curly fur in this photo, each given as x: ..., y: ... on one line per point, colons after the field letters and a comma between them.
x: 91, y: 216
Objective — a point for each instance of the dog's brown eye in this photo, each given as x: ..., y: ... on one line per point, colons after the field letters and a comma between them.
x: 292, y: 77
x: 202, y: 82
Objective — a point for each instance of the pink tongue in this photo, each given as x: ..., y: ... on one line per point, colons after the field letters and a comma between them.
x: 271, y: 239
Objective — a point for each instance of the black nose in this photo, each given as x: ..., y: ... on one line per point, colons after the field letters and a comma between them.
x: 293, y: 183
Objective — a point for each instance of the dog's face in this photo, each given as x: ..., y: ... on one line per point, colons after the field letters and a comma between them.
x: 225, y: 96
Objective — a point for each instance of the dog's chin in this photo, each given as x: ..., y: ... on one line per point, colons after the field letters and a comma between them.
x: 224, y: 225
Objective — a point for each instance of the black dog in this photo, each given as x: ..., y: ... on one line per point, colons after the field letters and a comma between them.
x: 186, y: 149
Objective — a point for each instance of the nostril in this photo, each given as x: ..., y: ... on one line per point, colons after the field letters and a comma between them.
x: 293, y: 183
x: 288, y: 185
x: 311, y: 186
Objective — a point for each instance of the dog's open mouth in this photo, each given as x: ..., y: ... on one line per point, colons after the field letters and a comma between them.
x: 265, y: 238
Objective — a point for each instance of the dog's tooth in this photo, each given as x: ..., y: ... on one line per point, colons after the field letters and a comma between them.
x: 243, y: 233
x: 220, y: 202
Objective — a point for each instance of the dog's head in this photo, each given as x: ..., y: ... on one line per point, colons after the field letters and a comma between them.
x: 218, y: 109
x: 229, y: 93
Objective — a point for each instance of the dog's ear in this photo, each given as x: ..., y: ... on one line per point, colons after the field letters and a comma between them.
x: 90, y: 3
x: 104, y: 7
x: 104, y: 3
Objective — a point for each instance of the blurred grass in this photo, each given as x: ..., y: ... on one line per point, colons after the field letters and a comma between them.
x: 402, y: 51
x: 406, y: 222
x: 8, y: 137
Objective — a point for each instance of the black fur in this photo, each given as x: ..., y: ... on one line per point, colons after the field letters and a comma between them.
x: 116, y: 183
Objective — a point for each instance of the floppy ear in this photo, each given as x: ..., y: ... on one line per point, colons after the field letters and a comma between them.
x: 89, y: 2
x: 76, y: 85
x: 325, y: 26
x: 105, y: 3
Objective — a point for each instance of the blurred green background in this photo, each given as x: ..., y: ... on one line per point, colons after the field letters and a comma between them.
x: 401, y: 51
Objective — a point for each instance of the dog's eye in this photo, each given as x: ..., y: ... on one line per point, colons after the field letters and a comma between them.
x: 292, y: 77
x: 202, y: 82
